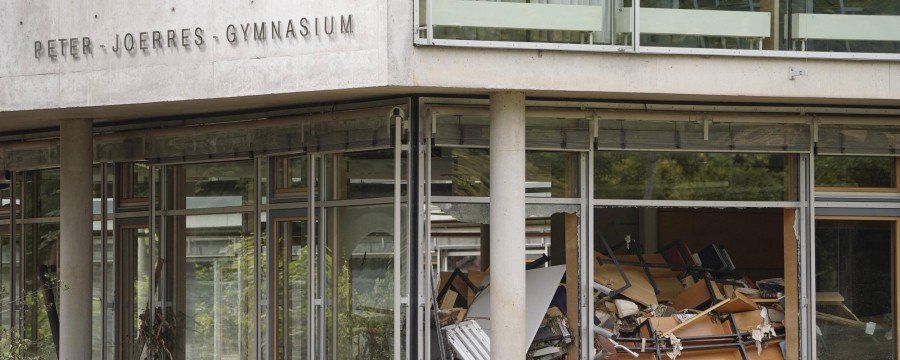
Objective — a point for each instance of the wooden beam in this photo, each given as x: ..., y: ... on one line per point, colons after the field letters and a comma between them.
x: 771, y: 6
x: 564, y: 230
x: 896, y: 277
x: 791, y: 287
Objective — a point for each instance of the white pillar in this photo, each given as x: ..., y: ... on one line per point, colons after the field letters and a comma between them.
x: 75, y: 238
x: 507, y: 226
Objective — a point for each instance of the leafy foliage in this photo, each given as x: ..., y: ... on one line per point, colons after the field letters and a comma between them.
x: 689, y: 176
x: 13, y: 344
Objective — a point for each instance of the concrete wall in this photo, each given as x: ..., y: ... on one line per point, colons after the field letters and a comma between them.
x: 663, y: 77
x: 377, y: 59
x: 216, y: 69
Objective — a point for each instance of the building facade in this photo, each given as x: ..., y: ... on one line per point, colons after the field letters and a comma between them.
x: 289, y: 179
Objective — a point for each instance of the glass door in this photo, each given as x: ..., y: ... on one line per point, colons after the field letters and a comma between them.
x: 856, y: 290
x: 363, y: 240
x: 291, y: 301
x: 136, y: 250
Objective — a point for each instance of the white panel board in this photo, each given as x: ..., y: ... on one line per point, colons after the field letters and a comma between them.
x: 540, y: 286
x: 847, y: 27
x: 697, y: 22
x: 510, y: 15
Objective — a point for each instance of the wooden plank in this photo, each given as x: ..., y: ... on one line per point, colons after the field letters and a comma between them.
x: 720, y: 354
x: 765, y: 301
x: 564, y: 228
x: 839, y: 320
x: 709, y: 326
x: 698, y: 295
x: 739, y: 303
x: 792, y: 311
x: 640, y: 291
x: 771, y: 7
x: 485, y: 248
x: 695, y: 318
x: 705, y: 326
x: 666, y: 280
x: 896, y: 278
x: 449, y: 300
x: 829, y: 298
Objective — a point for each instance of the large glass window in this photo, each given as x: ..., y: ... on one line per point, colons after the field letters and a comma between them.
x: 359, y: 289
x: 134, y: 183
x: 291, y: 174
x: 670, y: 255
x: 363, y: 175
x: 856, y: 172
x: 466, y: 172
x: 41, y: 288
x: 210, y: 250
x: 218, y: 274
x: 692, y: 176
x: 42, y: 189
x: 217, y: 185
x: 357, y: 267
x: 5, y: 279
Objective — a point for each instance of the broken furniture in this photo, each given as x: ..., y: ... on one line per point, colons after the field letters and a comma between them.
x: 706, y: 337
x: 711, y: 316
x: 456, y: 284
x: 699, y: 296
x: 553, y: 337
x: 715, y: 257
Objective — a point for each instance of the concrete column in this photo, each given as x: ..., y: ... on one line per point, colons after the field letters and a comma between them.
x: 75, y: 238
x: 507, y: 226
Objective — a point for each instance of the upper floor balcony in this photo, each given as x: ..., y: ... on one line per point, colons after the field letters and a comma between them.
x: 855, y: 29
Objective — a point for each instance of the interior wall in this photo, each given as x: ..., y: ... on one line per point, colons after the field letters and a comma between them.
x: 752, y: 237
x: 615, y: 224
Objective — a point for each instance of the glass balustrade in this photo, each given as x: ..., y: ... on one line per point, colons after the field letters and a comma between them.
x: 819, y: 26
x: 541, y: 21
x: 858, y: 26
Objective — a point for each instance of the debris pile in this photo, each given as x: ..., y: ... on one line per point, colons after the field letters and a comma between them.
x: 674, y: 304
